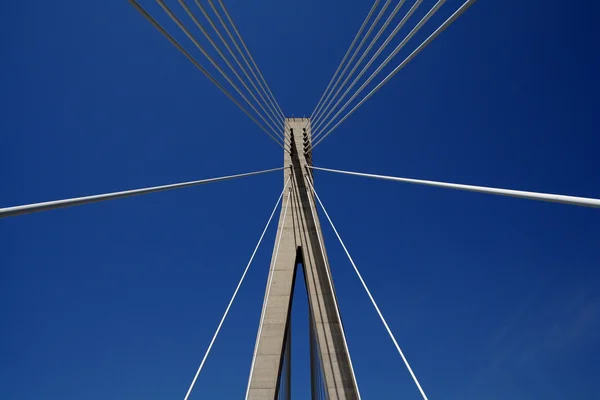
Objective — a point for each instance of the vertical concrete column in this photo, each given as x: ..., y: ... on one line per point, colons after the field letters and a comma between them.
x: 298, y: 237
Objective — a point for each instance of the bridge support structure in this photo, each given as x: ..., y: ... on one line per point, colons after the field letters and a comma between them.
x: 299, y: 242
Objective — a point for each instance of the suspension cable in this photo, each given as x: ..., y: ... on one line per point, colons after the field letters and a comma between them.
x: 417, y: 27
x: 360, y: 45
x: 377, y: 53
x: 235, y: 58
x: 211, y: 60
x: 264, y: 308
x: 553, y: 198
x: 51, y: 205
x: 235, y: 292
x: 214, y: 45
x: 362, y: 27
x: 385, y: 324
x: 268, y: 89
x: 179, y: 47
x: 415, y: 52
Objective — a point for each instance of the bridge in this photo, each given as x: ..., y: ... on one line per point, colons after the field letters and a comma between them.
x: 299, y: 244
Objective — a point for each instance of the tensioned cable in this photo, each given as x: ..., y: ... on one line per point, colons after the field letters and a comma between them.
x: 179, y: 47
x: 554, y: 198
x: 262, y: 315
x: 415, y: 52
x: 214, y: 45
x: 389, y: 331
x: 51, y: 205
x: 330, y: 281
x: 389, y: 58
x: 378, y: 52
x: 235, y: 292
x: 235, y: 58
x: 362, y: 27
x: 268, y: 89
x: 356, y: 51
x: 181, y: 26
x: 360, y: 45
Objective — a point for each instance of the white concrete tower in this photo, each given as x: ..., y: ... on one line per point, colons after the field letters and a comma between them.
x: 299, y: 241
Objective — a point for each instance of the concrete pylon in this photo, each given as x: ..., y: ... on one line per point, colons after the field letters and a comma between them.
x: 300, y: 243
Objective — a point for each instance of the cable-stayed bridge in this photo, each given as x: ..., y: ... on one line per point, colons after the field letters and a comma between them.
x: 299, y: 240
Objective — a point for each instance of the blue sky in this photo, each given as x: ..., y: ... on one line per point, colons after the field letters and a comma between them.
x: 490, y: 297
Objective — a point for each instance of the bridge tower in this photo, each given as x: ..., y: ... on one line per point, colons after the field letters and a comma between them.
x: 299, y: 243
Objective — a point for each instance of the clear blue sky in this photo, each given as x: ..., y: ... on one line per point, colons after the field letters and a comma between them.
x: 491, y: 298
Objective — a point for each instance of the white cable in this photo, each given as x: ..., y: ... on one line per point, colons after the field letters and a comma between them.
x: 272, y: 97
x: 389, y: 58
x: 76, y: 201
x: 330, y: 280
x: 211, y: 60
x: 267, y: 91
x: 264, y: 308
x: 317, y: 109
x: 235, y: 293
x: 427, y: 41
x: 553, y: 198
x: 362, y: 42
x: 183, y: 51
x: 232, y: 53
x: 377, y: 53
x: 273, y: 117
x: 214, y: 45
x: 389, y: 331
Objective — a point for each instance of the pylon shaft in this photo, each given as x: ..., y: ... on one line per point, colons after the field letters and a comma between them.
x: 300, y: 242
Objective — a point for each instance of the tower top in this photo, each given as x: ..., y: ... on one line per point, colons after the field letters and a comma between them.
x: 298, y: 135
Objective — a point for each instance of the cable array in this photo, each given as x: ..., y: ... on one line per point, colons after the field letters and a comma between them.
x: 251, y: 94
x: 323, y: 118
x: 335, y: 76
